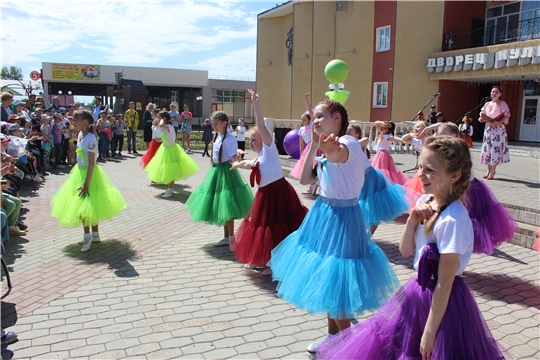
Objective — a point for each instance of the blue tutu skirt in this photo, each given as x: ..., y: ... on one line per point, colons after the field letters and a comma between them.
x: 331, y: 264
x: 381, y: 200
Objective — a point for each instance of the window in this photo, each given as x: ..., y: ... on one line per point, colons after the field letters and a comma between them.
x: 174, y: 97
x: 383, y: 39
x: 380, y: 94
x: 234, y: 102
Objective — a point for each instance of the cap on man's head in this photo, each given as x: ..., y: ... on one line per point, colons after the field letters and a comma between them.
x: 13, y: 117
x: 44, y: 117
x: 4, y: 138
x: 15, y: 127
x: 98, y: 98
x: 62, y: 109
x: 18, y: 102
x: 57, y: 115
x: 38, y: 109
x: 207, y: 119
x: 55, y: 97
x: 240, y: 120
x: 102, y: 112
x: 433, y: 106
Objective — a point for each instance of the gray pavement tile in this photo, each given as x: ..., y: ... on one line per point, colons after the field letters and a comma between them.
x: 87, y: 351
x: 220, y: 353
x: 106, y: 355
x: 122, y: 344
x: 197, y: 348
x: 142, y: 349
x: 57, y: 355
x: 173, y: 353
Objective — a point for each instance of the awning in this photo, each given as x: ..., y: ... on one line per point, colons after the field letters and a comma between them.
x: 137, y: 86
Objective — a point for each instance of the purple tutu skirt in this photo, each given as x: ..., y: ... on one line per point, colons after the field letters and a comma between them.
x: 395, y: 330
x: 296, y: 171
x: 492, y: 223
x: 384, y: 162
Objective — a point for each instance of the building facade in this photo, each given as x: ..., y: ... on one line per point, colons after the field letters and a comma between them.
x: 400, y: 54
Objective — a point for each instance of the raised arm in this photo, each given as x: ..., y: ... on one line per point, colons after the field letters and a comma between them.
x: 259, y: 119
x: 308, y: 104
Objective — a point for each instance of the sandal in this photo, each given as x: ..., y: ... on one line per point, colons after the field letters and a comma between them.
x: 490, y: 177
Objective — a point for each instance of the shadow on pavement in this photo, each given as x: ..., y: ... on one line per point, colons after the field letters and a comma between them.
x: 510, y: 289
x: 219, y: 252
x: 179, y: 193
x: 391, y: 249
x: 14, y: 250
x: 113, y: 252
x: 502, y: 255
x: 532, y: 185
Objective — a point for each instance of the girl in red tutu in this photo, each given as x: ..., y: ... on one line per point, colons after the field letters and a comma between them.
x: 156, y: 140
x: 277, y: 210
x: 382, y: 159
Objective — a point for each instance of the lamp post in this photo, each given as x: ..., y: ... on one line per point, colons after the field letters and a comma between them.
x: 199, y: 106
x: 69, y: 93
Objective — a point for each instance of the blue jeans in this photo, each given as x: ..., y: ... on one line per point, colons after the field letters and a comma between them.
x: 132, y: 139
x: 103, y: 144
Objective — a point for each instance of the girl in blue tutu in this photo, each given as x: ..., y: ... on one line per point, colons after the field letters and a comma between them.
x: 170, y: 163
x: 223, y: 195
x: 88, y: 195
x: 380, y: 199
x: 434, y: 315
x: 331, y: 264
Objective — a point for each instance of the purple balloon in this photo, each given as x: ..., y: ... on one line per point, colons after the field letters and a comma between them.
x: 291, y: 144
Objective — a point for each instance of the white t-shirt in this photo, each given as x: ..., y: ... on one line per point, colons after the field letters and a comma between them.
x: 230, y: 129
x: 156, y: 133
x: 65, y: 124
x: 175, y: 116
x: 343, y: 180
x: 230, y: 146
x: 269, y: 165
x: 417, y: 143
x: 383, y: 143
x: 305, y: 133
x: 240, y: 137
x: 171, y: 136
x: 453, y: 233
x: 88, y: 144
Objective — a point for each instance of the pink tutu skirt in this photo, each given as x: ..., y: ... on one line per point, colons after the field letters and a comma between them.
x: 415, y: 185
x: 384, y: 162
x: 297, y: 169
x: 492, y: 223
x: 536, y: 244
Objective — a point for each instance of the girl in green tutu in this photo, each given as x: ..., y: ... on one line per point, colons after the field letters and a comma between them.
x: 170, y: 163
x: 88, y: 195
x: 223, y: 195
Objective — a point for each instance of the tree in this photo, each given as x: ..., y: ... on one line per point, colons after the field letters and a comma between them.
x: 14, y: 73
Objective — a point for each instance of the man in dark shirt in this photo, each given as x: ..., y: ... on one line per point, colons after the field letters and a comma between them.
x: 432, y: 117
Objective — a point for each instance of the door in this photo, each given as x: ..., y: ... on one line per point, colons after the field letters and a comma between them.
x: 529, y: 120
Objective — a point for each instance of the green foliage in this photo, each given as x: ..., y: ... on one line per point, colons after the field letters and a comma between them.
x: 11, y: 73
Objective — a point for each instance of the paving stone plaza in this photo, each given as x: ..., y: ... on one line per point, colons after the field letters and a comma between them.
x: 156, y: 287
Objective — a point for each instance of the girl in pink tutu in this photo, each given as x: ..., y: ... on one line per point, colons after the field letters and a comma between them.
x: 277, y: 210
x: 434, y: 315
x: 382, y: 159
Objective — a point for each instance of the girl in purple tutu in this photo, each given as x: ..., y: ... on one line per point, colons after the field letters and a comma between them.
x: 434, y: 315
x: 382, y: 159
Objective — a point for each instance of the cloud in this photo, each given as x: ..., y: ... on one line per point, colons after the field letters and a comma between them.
x: 239, y: 62
x: 130, y: 33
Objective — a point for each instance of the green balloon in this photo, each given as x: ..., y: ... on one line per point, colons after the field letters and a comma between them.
x: 336, y: 71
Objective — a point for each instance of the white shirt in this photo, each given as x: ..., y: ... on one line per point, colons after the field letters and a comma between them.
x: 156, y: 133
x: 383, y: 143
x: 230, y: 146
x: 463, y: 127
x: 88, y: 144
x: 230, y: 129
x: 65, y: 124
x: 240, y: 137
x: 453, y: 233
x: 269, y: 165
x: 171, y: 135
x: 343, y: 180
x: 305, y: 133
x: 417, y: 143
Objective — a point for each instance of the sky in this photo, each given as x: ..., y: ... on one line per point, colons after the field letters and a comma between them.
x: 215, y: 35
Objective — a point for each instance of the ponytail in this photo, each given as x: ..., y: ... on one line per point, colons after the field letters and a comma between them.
x: 88, y: 116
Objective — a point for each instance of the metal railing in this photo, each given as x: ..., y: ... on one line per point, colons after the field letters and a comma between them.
x: 236, y: 78
x: 493, y: 35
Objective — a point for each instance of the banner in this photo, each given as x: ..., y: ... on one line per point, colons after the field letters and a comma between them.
x: 76, y: 72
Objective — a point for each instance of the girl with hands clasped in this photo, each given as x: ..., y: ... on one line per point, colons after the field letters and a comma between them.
x: 331, y: 264
x: 170, y: 163
x: 88, y: 195
x: 434, y: 315
x: 382, y: 159
x: 223, y: 195
x: 277, y: 210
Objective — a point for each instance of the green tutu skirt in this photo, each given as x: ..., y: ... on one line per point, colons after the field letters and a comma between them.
x: 170, y: 163
x: 103, y: 201
x: 223, y: 195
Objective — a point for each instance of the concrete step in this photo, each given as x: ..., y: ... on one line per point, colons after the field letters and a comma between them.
x: 526, y: 235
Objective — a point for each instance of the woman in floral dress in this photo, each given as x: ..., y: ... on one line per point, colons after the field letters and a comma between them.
x: 495, y: 114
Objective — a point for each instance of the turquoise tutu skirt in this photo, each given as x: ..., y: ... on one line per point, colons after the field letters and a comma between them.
x: 331, y: 264
x: 223, y: 195
x: 103, y: 201
x: 381, y: 200
x: 170, y: 163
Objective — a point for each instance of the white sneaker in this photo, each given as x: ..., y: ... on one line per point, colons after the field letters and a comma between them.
x: 312, y: 348
x: 167, y: 194
x: 86, y: 245
x: 27, y: 177
x: 96, y: 239
x: 267, y: 272
x: 37, y: 179
x: 309, y: 190
x: 222, y: 242
x: 250, y: 266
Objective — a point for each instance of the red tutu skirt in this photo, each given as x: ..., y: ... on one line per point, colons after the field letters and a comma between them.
x: 152, y: 149
x: 415, y: 185
x: 384, y: 162
x: 468, y: 139
x: 277, y: 212
x: 297, y: 169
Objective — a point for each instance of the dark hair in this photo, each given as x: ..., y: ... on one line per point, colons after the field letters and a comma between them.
x: 165, y: 115
x: 85, y: 115
x: 455, y: 156
x: 306, y: 114
x: 392, y: 128
x: 333, y: 107
x: 357, y: 129
x: 497, y: 87
x: 368, y: 154
x: 221, y: 116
